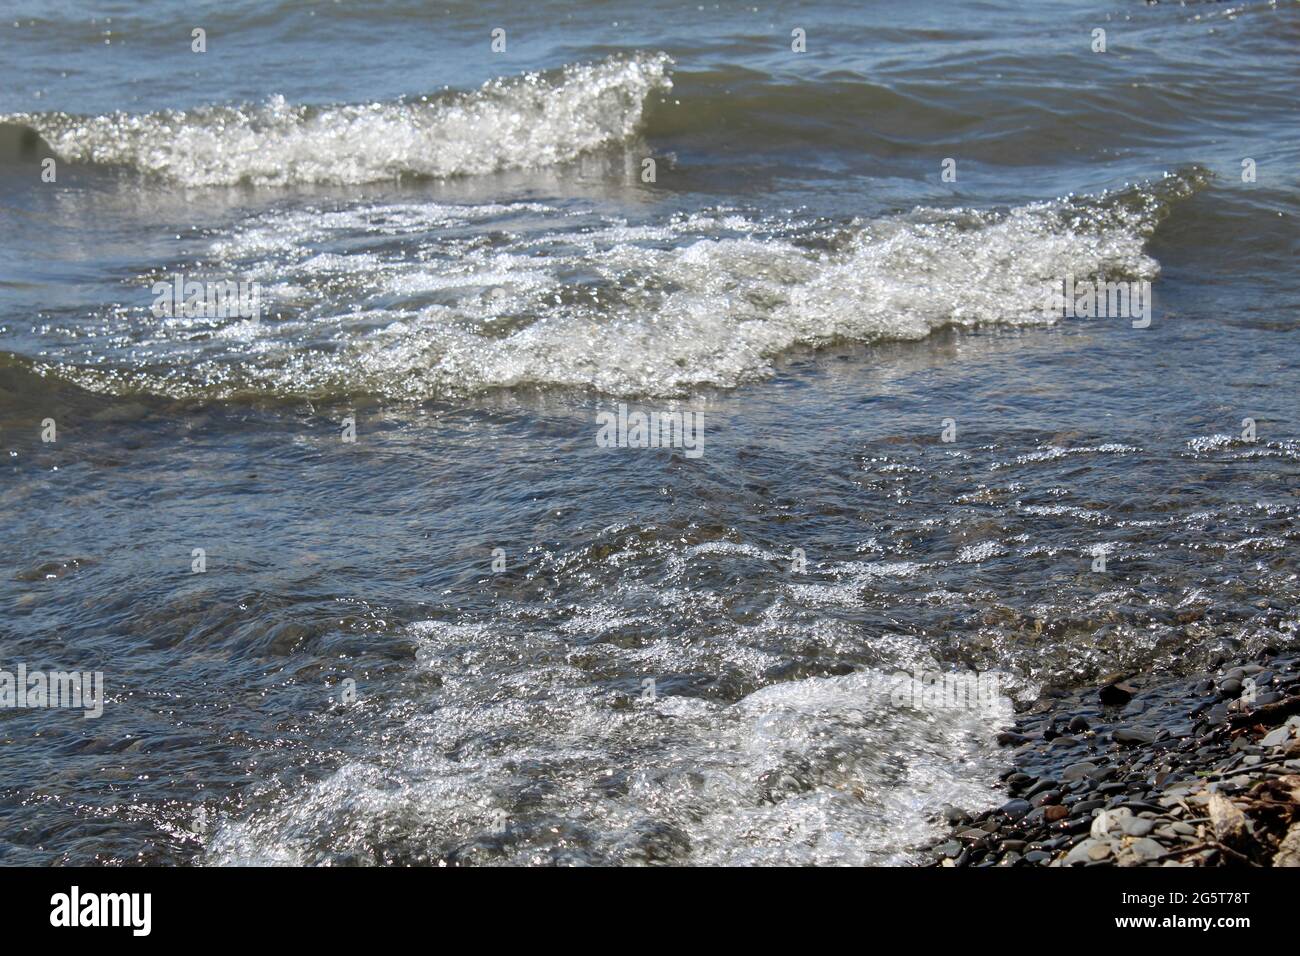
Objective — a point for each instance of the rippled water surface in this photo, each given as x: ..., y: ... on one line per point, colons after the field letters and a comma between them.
x: 457, y: 250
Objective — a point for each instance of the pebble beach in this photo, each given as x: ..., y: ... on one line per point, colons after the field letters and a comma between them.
x: 1141, y: 771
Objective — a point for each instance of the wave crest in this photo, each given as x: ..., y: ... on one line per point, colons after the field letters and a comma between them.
x: 538, y: 119
x: 475, y: 298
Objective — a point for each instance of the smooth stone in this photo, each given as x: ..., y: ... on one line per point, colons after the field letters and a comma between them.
x: 1078, y: 771
x: 1099, y: 851
x: 1116, y: 694
x: 1043, y: 785
x: 1015, y: 809
x: 1138, y: 806
x: 1129, y: 735
x: 1077, y: 725
x: 1276, y: 737
x: 1080, y: 853
x: 1136, y: 826
x: 1148, y: 849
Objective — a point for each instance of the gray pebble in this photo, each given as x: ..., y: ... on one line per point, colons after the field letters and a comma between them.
x: 1148, y: 849
x: 1136, y: 826
x: 1276, y: 737
x: 1130, y: 735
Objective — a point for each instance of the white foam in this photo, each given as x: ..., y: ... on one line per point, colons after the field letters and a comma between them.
x: 582, y: 299
x: 530, y: 121
x: 819, y: 771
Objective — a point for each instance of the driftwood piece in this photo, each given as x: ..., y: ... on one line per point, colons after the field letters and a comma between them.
x: 1268, y: 715
x: 1228, y: 822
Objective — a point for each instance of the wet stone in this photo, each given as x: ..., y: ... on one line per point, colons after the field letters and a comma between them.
x: 1078, y: 770
x: 1085, y: 807
x: 1015, y: 809
x: 955, y: 816
x: 1133, y: 736
x: 1114, y: 695
x: 1042, y: 786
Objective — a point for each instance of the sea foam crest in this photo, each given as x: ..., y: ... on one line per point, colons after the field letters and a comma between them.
x: 579, y: 299
x: 537, y: 119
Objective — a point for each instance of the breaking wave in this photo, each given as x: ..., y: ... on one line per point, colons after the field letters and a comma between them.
x: 538, y: 119
x: 426, y: 300
x: 807, y: 772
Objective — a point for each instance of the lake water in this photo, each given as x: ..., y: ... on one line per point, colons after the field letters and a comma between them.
x: 475, y: 635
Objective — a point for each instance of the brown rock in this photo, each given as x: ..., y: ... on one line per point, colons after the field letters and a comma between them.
x: 1288, y: 853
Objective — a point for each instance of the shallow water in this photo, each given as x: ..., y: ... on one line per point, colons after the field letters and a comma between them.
x: 456, y: 249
